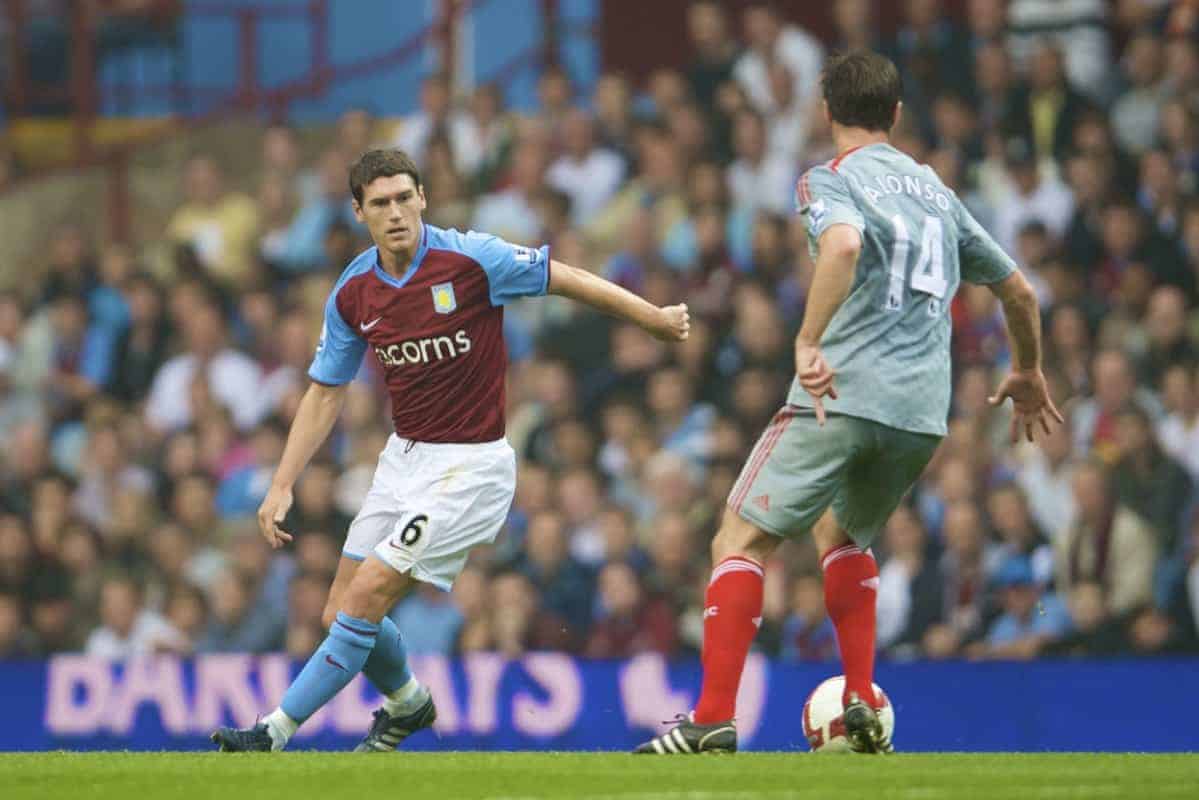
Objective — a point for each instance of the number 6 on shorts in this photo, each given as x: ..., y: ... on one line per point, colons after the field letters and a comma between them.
x: 414, y: 530
x: 409, y: 534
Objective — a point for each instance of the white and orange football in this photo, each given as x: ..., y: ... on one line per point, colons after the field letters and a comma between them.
x: 822, y: 717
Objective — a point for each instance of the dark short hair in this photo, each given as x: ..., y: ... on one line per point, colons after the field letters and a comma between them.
x: 380, y: 164
x: 862, y: 89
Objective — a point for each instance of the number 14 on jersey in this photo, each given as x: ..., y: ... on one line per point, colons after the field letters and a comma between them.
x: 928, y: 276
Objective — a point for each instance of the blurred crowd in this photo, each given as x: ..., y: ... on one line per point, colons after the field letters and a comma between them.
x: 142, y: 410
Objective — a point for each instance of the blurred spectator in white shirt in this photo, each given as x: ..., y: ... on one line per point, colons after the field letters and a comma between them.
x: 511, y: 213
x: 1032, y: 194
x: 104, y: 470
x: 771, y: 39
x: 1079, y: 29
x: 587, y: 173
x: 128, y: 628
x: 1179, y: 431
x: 909, y: 591
x: 1135, y: 113
x: 787, y: 125
x: 437, y: 116
x: 488, y: 140
x: 1115, y: 387
x: 227, y: 375
x: 759, y: 179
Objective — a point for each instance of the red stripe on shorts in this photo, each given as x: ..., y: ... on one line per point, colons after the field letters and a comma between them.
x: 782, y: 420
x: 753, y: 455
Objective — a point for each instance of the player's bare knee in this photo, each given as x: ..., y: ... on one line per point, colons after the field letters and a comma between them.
x: 737, y: 537
x: 373, y: 591
x: 827, y: 533
x: 725, y: 543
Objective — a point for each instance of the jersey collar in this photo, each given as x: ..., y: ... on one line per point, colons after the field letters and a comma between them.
x: 836, y: 162
x: 400, y: 282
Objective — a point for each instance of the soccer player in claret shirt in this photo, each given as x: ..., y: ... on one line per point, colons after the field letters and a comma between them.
x: 430, y: 304
x: 870, y: 399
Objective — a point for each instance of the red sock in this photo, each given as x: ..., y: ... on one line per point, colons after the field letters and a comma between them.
x: 732, y: 614
x: 850, y: 592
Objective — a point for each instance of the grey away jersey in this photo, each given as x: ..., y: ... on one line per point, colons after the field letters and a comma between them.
x: 889, y: 341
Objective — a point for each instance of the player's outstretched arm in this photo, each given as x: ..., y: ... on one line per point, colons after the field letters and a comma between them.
x: 1026, y: 384
x: 669, y: 323
x: 836, y: 261
x: 318, y: 412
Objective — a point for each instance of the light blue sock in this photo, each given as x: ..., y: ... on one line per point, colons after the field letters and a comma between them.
x: 387, y: 666
x: 339, y: 658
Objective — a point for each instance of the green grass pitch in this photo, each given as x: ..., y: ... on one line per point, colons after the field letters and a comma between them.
x: 509, y: 776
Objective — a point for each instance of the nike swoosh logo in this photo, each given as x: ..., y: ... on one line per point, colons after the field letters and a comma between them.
x: 366, y: 326
x: 330, y: 660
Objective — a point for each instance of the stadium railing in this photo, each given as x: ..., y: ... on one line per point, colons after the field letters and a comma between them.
x: 251, y: 96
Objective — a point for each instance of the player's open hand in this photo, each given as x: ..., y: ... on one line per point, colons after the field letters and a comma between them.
x: 673, y: 323
x: 1031, y: 402
x: 271, y: 513
x: 815, y: 376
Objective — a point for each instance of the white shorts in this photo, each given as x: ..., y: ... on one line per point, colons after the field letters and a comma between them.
x: 429, y: 504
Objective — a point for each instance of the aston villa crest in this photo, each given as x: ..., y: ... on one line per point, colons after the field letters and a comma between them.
x: 443, y: 298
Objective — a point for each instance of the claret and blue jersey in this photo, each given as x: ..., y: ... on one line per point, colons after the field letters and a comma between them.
x: 437, y: 331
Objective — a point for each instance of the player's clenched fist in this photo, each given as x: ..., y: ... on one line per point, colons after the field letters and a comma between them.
x: 274, y: 508
x: 673, y: 324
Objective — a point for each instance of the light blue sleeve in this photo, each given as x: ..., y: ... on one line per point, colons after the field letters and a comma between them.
x: 825, y: 200
x: 513, y: 271
x: 983, y: 261
x: 339, y: 351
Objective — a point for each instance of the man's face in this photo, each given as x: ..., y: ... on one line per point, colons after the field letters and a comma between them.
x: 986, y: 17
x: 922, y: 13
x: 1113, y: 381
x: 1008, y: 515
x: 1019, y: 600
x: 202, y: 181
x: 391, y: 210
x: 761, y: 27
x: 705, y: 23
x: 1167, y: 317
x: 1121, y: 231
x: 118, y: 607
x: 1047, y: 69
x: 1157, y: 175
x: 991, y: 68
x: 577, y: 133
x: 851, y: 15
x: 546, y: 542
x: 204, y: 331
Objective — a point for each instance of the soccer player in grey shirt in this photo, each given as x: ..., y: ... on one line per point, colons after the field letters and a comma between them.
x: 870, y: 399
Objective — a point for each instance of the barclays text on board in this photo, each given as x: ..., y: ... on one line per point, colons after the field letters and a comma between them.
x: 552, y: 701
